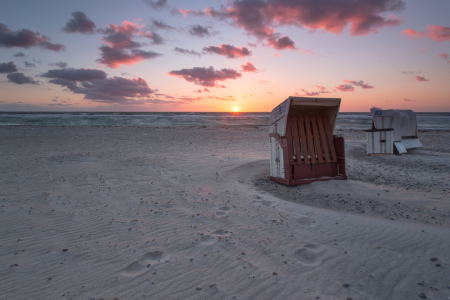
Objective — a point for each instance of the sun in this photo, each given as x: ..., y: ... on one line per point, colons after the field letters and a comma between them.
x: 236, y: 109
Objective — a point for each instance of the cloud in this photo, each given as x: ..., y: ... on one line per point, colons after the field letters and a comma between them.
x: 79, y: 23
x: 8, y: 67
x: 122, y: 49
x: 444, y: 56
x: 20, y: 78
x: 113, y: 58
x: 345, y: 88
x: 162, y: 25
x: 359, y: 83
x: 25, y: 38
x: 74, y: 75
x: 260, y: 17
x: 409, y: 100
x: 156, y: 4
x: 421, y: 79
x: 96, y: 86
x: 19, y: 54
x: 60, y: 64
x: 29, y: 64
x: 228, y: 51
x: 187, y: 52
x: 200, y: 31
x: 207, y: 77
x: 435, y: 32
x: 249, y: 67
x: 281, y: 43
x: 187, y: 12
x: 322, y: 90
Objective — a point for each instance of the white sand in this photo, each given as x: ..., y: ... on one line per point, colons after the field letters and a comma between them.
x: 171, y: 213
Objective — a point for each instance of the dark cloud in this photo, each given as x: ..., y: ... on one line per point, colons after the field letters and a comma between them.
x: 20, y: 78
x: 435, y: 32
x: 421, y: 79
x: 29, y: 64
x: 359, y: 83
x: 261, y: 17
x: 60, y: 64
x: 249, y: 67
x: 95, y: 86
x: 25, y: 38
x: 207, y: 77
x: 228, y: 51
x: 162, y: 25
x: 281, y: 43
x: 187, y: 52
x: 345, y: 88
x: 8, y: 67
x: 19, y: 54
x: 156, y: 4
x: 122, y: 49
x: 79, y: 23
x: 200, y: 31
x: 155, y: 38
x: 76, y: 74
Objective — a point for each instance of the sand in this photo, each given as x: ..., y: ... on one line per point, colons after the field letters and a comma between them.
x: 188, y: 213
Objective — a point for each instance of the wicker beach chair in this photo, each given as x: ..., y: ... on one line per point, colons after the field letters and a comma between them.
x: 303, y: 147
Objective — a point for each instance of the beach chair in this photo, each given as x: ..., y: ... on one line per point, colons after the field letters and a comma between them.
x: 303, y: 147
x: 393, y: 131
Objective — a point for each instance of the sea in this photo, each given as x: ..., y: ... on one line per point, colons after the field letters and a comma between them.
x: 345, y: 120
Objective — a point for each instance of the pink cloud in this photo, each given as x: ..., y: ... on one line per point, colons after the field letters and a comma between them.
x: 345, y: 88
x: 277, y: 55
x: 249, y: 67
x: 421, y: 79
x: 122, y: 48
x: 359, y: 83
x: 228, y: 51
x: 443, y: 55
x: 435, y: 32
x: 207, y: 77
x: 322, y: 90
x: 259, y: 18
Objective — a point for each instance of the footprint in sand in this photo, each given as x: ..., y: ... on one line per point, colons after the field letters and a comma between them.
x: 207, y: 239
x: 141, y: 265
x: 310, y: 255
x: 305, y: 221
x: 223, y: 210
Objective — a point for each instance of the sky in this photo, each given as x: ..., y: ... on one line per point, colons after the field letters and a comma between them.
x: 223, y: 55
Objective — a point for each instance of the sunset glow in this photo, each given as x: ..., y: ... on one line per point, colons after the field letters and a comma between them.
x: 173, y: 55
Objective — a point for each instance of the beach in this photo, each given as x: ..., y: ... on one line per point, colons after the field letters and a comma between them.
x: 91, y: 212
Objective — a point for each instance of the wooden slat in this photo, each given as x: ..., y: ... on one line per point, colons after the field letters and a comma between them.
x: 298, y: 150
x: 323, y: 138
x: 316, y: 138
x: 309, y: 138
x: 290, y: 148
x: 329, y: 138
x: 302, y: 132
